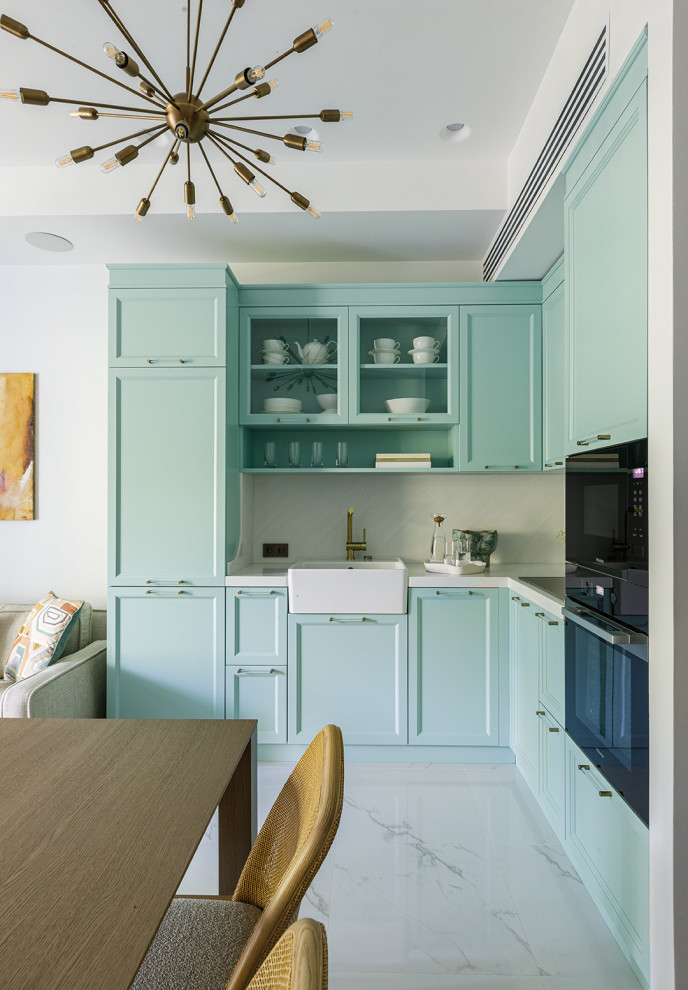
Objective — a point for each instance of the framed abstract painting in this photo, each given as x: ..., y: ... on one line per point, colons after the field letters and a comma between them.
x: 16, y: 446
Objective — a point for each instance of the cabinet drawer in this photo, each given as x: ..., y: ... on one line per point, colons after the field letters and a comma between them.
x: 551, y: 673
x: 261, y: 693
x: 552, y: 768
x: 256, y: 626
x: 610, y: 846
x: 167, y: 327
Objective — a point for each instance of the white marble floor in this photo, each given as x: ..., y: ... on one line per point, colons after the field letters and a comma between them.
x: 446, y: 877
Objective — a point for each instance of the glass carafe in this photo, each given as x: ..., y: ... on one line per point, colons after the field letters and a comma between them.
x: 438, y: 543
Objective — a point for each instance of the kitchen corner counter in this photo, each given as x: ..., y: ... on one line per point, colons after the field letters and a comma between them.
x: 260, y: 575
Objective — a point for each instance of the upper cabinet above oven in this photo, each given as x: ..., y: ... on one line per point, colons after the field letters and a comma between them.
x: 606, y: 270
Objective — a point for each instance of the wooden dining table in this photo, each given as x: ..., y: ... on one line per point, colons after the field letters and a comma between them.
x: 99, y: 820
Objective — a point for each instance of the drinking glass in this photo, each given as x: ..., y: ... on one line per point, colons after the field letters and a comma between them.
x: 317, y: 454
x: 269, y: 454
x: 294, y: 454
x: 342, y: 454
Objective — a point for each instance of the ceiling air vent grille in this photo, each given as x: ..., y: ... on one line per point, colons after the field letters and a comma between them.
x: 577, y: 105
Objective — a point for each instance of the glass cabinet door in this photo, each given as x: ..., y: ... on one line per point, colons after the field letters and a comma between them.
x: 404, y: 365
x: 294, y: 365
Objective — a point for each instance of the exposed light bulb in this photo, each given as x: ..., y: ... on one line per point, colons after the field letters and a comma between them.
x: 115, y: 54
x: 190, y: 211
x: 142, y: 209
x: 10, y: 94
x: 314, y: 146
x: 345, y: 115
x: 64, y: 160
x: 85, y: 113
x: 323, y: 28
x: 255, y: 74
x: 273, y: 84
x: 110, y: 165
x: 190, y: 200
x: 228, y: 208
x: 313, y: 212
x: 257, y: 188
x: 265, y: 88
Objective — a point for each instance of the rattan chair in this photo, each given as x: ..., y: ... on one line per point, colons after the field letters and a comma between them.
x: 209, y: 943
x: 297, y: 962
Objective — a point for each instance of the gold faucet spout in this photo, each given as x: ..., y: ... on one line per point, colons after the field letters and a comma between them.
x: 350, y: 545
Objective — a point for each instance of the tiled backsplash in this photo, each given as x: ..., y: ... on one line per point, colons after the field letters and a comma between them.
x: 308, y: 512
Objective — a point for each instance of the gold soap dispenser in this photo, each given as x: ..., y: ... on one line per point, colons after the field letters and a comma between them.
x: 438, y: 543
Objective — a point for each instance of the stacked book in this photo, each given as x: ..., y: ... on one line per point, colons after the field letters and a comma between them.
x: 402, y: 461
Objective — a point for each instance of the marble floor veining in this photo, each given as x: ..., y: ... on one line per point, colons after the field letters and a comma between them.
x: 445, y: 877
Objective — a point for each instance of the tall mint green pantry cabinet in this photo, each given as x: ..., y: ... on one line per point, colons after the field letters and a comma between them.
x: 169, y: 474
x: 606, y: 269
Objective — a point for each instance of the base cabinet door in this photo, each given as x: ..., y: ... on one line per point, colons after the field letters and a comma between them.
x: 256, y: 626
x: 525, y: 651
x: 349, y: 670
x: 609, y: 845
x: 552, y: 664
x: 166, y: 653
x: 260, y: 693
x: 454, y: 667
x: 552, y: 791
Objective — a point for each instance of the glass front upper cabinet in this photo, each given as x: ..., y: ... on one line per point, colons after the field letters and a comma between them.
x: 295, y: 361
x: 404, y: 365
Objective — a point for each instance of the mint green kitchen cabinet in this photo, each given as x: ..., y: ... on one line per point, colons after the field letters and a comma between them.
x: 256, y: 626
x: 525, y: 662
x: 309, y: 369
x: 552, y: 771
x: 350, y: 670
x: 167, y: 477
x: 609, y: 846
x: 151, y: 328
x: 501, y: 388
x: 166, y: 653
x: 259, y: 692
x: 454, y: 655
x: 606, y: 270
x: 372, y: 384
x: 551, y: 667
x: 554, y: 377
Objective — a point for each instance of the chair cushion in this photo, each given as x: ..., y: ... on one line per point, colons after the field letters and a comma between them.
x: 42, y: 636
x: 197, y: 945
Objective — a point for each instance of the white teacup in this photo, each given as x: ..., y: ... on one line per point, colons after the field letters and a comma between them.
x: 385, y: 357
x: 275, y: 357
x: 424, y: 356
x: 386, y: 344
x: 425, y: 343
x: 274, y: 345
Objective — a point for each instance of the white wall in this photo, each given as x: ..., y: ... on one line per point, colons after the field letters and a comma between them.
x: 54, y: 323
x: 309, y: 513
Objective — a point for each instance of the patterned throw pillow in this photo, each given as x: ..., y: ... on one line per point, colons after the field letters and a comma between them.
x: 42, y: 638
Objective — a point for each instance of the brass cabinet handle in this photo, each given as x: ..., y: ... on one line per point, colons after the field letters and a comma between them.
x: 600, y: 436
x: 525, y: 604
x: 307, y: 419
x: 541, y: 614
x: 347, y: 620
x: 163, y: 594
x: 151, y: 361
x: 606, y: 794
x: 541, y: 714
x: 583, y: 766
x: 182, y: 361
x: 550, y: 623
x: 553, y: 730
x: 559, y: 463
x: 256, y: 594
x: 515, y: 598
x: 453, y: 591
x: 604, y: 436
x: 153, y: 581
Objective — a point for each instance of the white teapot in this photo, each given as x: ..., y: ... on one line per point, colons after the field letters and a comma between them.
x: 314, y: 352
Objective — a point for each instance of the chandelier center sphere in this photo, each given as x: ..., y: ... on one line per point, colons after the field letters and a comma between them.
x: 187, y: 113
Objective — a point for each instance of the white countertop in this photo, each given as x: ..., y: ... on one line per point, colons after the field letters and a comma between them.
x: 261, y: 575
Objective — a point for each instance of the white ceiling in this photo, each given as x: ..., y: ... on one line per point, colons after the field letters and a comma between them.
x: 388, y: 187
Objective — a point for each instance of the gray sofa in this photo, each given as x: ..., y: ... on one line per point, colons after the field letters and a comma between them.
x: 73, y: 687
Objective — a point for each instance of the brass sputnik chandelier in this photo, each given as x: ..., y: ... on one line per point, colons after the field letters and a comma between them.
x: 190, y: 119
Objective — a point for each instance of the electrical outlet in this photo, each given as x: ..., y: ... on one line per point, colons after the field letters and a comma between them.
x: 275, y: 549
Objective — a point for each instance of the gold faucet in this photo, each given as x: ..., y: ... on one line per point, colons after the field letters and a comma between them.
x: 350, y: 545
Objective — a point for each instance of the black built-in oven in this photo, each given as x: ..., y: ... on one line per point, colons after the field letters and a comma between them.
x: 607, y: 711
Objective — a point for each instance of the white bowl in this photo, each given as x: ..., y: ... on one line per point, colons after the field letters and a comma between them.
x: 407, y: 405
x: 282, y: 405
x: 327, y: 401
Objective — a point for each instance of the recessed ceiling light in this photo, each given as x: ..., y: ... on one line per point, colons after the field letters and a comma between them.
x: 48, y: 242
x: 455, y: 132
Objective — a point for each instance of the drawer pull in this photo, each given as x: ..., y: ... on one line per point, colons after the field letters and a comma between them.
x: 256, y: 594
x: 583, y: 766
x: 256, y: 673
x: 541, y: 614
x: 182, y: 361
x: 551, y: 623
x: 452, y: 590
x: 347, y: 620
x: 553, y: 730
x: 515, y: 598
x: 559, y: 463
x: 541, y: 714
x: 525, y: 604
x: 162, y: 594
x: 606, y: 794
x: 152, y: 581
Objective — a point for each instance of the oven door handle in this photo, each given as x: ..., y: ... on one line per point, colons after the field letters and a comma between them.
x: 616, y: 639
